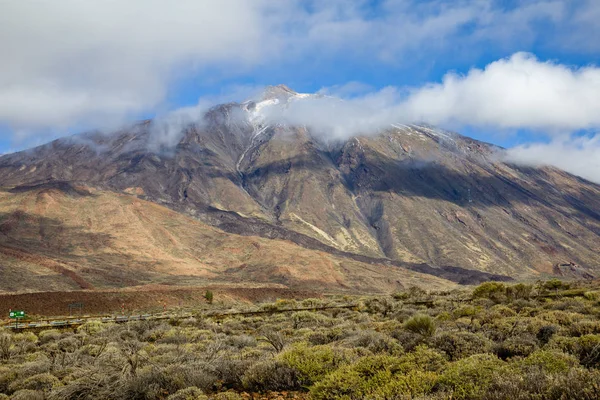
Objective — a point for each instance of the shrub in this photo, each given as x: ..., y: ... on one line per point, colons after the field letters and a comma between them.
x: 231, y: 371
x: 422, y: 324
x: 6, y: 345
x: 495, y: 291
x: 7, y: 376
x: 549, y: 361
x: 379, y: 376
x: 407, y: 339
x: 471, y: 377
x: 577, y: 383
x: 383, y: 306
x: 274, y: 338
x: 49, y: 335
x: 502, y: 311
x: 92, y: 327
x: 459, y: 345
x: 190, y: 393
x: 519, y: 291
x: 425, y: 359
x: 563, y: 318
x: 465, y: 311
x: 592, y: 295
x: 586, y: 327
x: 209, y: 296
x: 27, y: 394
x: 312, y: 363
x: 40, y: 382
x: 227, y: 396
x: 271, y: 375
x: 325, y: 336
x: 376, y: 342
x: 414, y: 292
x: 586, y: 348
x: 555, y: 285
x: 303, y: 319
x: 545, y: 333
x: 516, y: 346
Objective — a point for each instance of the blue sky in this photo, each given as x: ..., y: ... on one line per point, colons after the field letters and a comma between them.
x: 72, y: 65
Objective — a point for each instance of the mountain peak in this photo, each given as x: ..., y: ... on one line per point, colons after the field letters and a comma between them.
x: 277, y: 91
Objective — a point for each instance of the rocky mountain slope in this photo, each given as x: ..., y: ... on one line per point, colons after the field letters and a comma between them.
x: 62, y: 237
x: 414, y: 195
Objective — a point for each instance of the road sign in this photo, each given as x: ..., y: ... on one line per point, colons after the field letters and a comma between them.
x: 16, y: 314
x: 75, y: 306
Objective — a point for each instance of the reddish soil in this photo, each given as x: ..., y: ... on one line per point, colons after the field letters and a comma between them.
x: 141, y: 299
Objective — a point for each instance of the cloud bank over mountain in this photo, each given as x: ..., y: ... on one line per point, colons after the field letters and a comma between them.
x: 75, y: 65
x: 72, y: 63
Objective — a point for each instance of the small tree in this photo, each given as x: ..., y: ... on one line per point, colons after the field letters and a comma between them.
x: 209, y: 296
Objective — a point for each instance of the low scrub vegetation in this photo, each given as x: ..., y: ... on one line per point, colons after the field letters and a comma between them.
x: 496, y: 341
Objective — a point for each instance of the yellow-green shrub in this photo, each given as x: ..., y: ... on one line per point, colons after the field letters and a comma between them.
x: 549, y: 361
x: 470, y: 377
x: 382, y: 377
x: 422, y: 324
x: 313, y: 362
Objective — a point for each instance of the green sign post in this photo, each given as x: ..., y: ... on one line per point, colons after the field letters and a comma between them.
x: 16, y: 314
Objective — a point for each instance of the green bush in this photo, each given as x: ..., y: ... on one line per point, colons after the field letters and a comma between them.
x: 381, y: 377
x: 495, y: 291
x: 49, y: 335
x: 582, y: 328
x: 41, y: 382
x: 312, y: 363
x: 27, y: 394
x: 457, y: 345
x: 586, y: 348
x: 209, y: 296
x: 271, y: 375
x: 376, y: 342
x: 517, y: 346
x: 190, y: 393
x: 92, y: 327
x: 422, y: 324
x: 545, y: 333
x: 519, y: 291
x: 577, y: 383
x: 465, y: 311
x: 230, y: 395
x: 555, y: 285
x: 470, y: 377
x: 549, y: 361
x: 592, y: 295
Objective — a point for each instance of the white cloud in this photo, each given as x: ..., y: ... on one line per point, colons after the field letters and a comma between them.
x: 519, y: 92
x: 577, y: 155
x: 89, y: 63
x: 71, y: 62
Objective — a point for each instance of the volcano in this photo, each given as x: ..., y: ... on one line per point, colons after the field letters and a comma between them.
x: 407, y: 204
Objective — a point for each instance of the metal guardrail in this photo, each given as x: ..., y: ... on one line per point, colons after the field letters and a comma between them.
x: 73, y: 322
